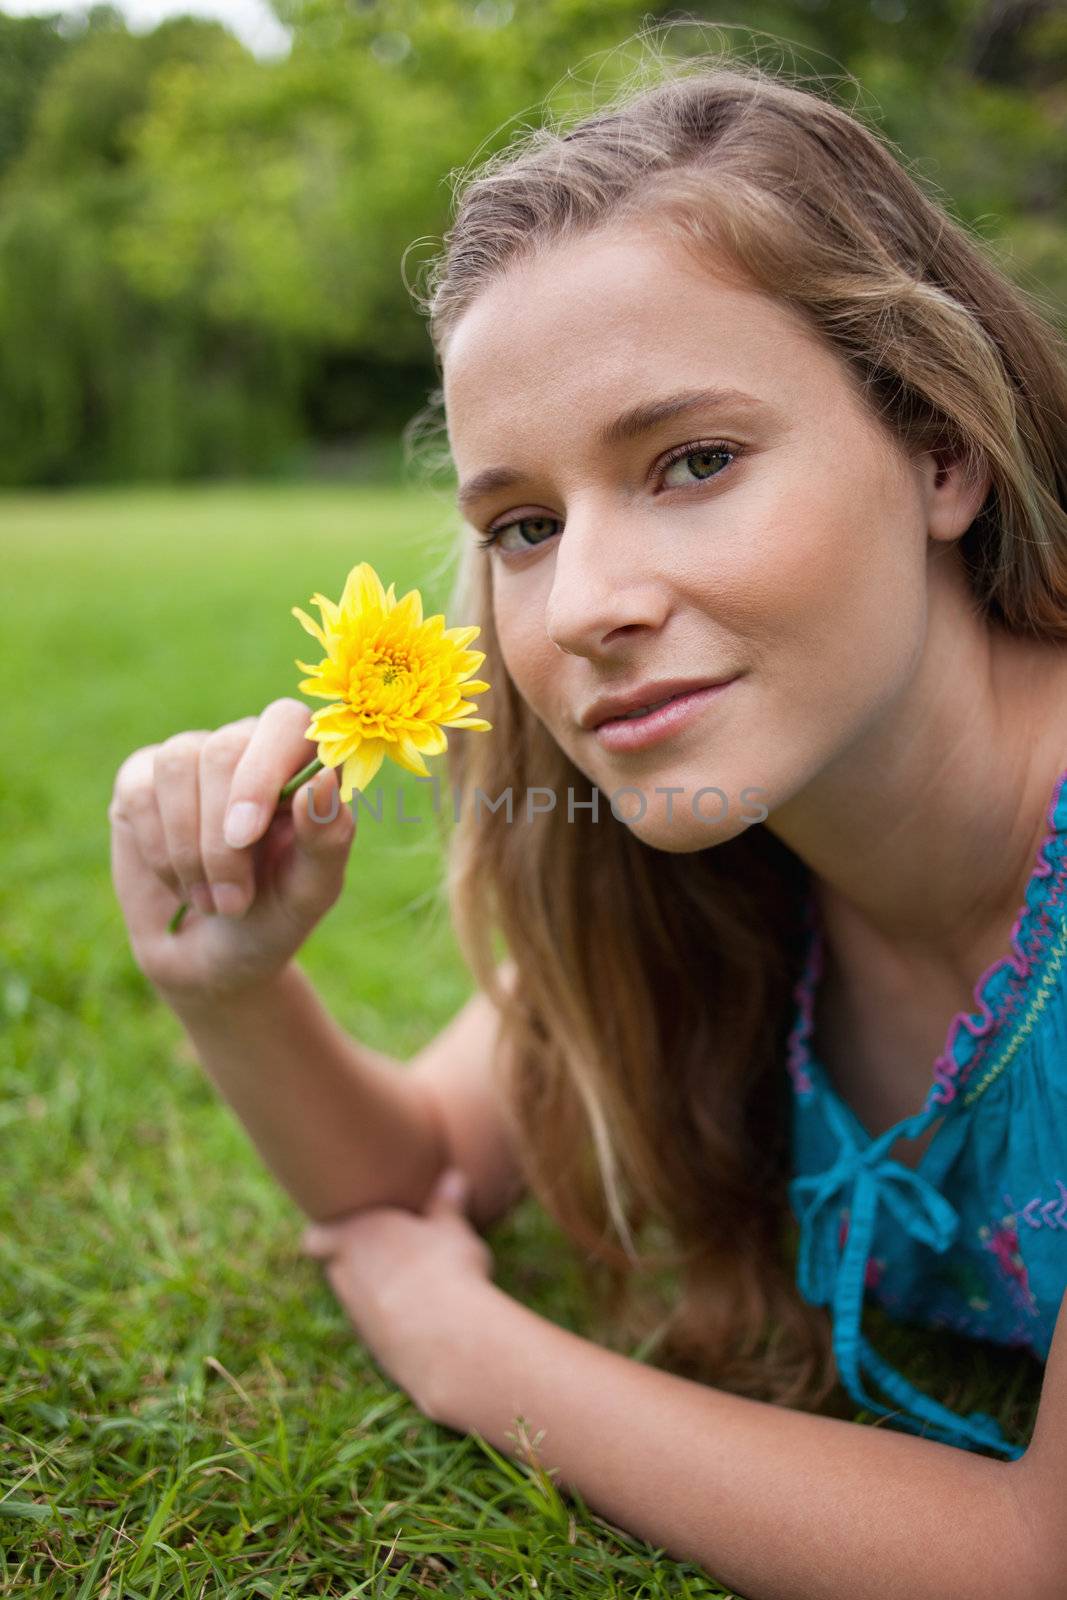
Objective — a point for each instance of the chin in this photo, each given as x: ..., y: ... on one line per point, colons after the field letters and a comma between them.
x: 680, y: 839
x: 681, y: 831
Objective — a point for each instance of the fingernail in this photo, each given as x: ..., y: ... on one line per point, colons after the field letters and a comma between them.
x: 242, y: 824
x: 229, y: 898
x: 452, y: 1184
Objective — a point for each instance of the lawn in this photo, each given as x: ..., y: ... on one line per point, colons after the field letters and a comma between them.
x: 184, y: 1408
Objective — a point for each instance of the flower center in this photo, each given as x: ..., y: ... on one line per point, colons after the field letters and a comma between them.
x: 382, y: 682
x: 389, y: 664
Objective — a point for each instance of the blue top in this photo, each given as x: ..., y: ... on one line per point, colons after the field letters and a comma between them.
x: 975, y: 1237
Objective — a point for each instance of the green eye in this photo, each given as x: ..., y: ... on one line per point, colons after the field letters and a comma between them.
x: 539, y: 525
x: 701, y: 464
x: 494, y: 535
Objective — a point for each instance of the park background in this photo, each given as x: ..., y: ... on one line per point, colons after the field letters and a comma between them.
x: 210, y: 362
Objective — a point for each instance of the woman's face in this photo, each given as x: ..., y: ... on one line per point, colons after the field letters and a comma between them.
x: 785, y: 546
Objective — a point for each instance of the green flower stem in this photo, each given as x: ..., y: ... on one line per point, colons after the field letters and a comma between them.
x: 283, y: 794
x: 302, y: 777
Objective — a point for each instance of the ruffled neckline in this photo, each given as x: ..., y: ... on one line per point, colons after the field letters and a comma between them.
x: 999, y: 993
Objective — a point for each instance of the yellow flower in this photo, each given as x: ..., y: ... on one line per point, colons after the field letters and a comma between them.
x: 394, y: 681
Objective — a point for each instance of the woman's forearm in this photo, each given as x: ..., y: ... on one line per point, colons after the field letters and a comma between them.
x: 340, y: 1125
x: 776, y: 1504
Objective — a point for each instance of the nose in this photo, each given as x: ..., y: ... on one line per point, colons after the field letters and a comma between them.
x: 605, y: 583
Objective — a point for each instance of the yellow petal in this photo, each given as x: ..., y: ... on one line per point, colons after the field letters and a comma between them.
x: 328, y: 719
x: 405, y: 753
x: 361, y: 766
x: 468, y: 722
x: 363, y: 591
x: 328, y: 609
x: 332, y: 722
x: 462, y: 636
x: 473, y: 687
x: 456, y: 703
x: 409, y: 610
x: 312, y: 627
x: 314, y: 686
x: 430, y: 740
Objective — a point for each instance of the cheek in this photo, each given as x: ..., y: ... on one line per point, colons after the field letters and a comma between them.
x: 529, y: 654
x: 838, y: 603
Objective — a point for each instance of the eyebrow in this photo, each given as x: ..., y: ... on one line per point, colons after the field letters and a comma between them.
x: 631, y: 424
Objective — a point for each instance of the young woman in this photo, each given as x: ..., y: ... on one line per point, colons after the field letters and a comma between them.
x: 745, y: 423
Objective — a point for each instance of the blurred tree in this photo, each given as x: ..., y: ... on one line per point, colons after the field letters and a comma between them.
x: 203, y: 256
x: 29, y: 48
x: 96, y: 380
x: 1011, y: 42
x: 289, y: 195
x: 92, y: 97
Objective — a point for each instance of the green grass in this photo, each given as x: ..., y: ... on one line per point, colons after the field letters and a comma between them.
x: 184, y: 1408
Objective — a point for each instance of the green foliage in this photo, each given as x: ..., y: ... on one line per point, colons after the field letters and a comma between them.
x: 289, y: 195
x: 29, y: 49
x: 204, y: 257
x: 97, y: 381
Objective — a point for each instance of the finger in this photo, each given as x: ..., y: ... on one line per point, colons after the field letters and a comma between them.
x: 324, y: 1239
x: 276, y: 751
x: 230, y: 873
x: 177, y: 788
x: 134, y: 804
x: 319, y: 1241
x: 323, y: 829
x: 449, y: 1193
x: 146, y: 900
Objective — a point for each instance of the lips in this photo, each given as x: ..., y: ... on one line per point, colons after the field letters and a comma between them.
x: 643, y: 699
x: 631, y: 716
x: 655, y: 724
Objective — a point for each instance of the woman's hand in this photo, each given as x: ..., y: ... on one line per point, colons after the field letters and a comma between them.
x: 409, y: 1282
x: 168, y: 844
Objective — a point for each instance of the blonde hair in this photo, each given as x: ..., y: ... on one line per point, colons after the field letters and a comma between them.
x: 651, y: 993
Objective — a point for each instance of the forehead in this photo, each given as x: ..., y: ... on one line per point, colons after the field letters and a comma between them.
x: 587, y: 327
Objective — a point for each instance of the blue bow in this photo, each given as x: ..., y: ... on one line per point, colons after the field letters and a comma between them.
x: 827, y: 1275
x: 859, y: 1178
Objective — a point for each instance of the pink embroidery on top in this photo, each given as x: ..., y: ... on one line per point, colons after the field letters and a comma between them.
x: 949, y: 1073
x: 1051, y: 1213
x: 1002, y: 1240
